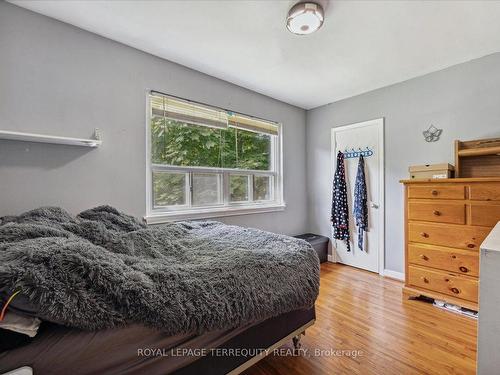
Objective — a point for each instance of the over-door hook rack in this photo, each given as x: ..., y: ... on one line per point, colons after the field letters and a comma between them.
x: 366, y: 152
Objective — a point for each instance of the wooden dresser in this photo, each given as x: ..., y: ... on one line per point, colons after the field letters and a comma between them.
x: 445, y: 223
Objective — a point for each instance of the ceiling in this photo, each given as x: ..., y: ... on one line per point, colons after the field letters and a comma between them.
x: 363, y: 45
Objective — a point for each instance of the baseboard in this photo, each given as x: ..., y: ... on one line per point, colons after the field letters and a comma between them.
x: 386, y: 273
x: 394, y: 275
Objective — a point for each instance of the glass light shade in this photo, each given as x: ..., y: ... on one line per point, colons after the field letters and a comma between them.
x: 305, y: 18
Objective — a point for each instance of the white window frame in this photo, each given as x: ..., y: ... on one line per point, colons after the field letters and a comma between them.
x: 225, y: 208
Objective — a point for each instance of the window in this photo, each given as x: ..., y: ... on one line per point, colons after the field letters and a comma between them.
x: 205, y: 161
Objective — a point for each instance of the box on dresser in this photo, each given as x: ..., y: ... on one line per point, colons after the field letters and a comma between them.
x: 446, y: 220
x: 443, y: 170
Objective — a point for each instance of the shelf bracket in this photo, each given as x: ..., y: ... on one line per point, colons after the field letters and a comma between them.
x: 97, y: 134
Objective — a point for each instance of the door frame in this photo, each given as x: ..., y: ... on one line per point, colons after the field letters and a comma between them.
x: 380, y: 124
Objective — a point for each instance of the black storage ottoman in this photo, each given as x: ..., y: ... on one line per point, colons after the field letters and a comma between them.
x: 318, y: 242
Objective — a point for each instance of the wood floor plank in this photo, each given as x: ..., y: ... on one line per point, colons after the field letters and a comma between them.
x: 359, y: 310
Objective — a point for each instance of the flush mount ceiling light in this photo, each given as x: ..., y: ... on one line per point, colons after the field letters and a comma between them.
x: 305, y: 18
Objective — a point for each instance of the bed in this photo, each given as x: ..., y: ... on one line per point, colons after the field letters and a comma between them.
x: 136, y: 349
x: 118, y: 297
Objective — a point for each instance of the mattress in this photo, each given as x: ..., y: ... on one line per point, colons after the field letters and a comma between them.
x: 136, y: 349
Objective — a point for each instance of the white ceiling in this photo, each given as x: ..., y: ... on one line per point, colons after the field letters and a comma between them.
x: 363, y: 45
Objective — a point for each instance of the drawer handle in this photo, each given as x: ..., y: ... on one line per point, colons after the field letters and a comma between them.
x: 455, y: 290
x: 424, y: 257
x: 423, y: 234
x: 436, y: 213
x: 425, y: 279
x: 463, y: 269
x: 471, y: 246
x: 434, y: 192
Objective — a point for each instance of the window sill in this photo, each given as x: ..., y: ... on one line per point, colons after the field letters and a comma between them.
x: 165, y: 217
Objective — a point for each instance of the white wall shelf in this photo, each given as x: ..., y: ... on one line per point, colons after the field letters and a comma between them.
x: 42, y: 138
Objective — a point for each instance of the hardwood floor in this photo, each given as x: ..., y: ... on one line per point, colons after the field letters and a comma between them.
x: 359, y: 310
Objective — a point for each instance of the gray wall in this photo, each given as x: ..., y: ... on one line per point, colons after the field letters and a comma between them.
x: 463, y: 100
x: 61, y: 80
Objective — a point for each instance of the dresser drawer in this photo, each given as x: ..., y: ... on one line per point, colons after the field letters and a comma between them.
x: 486, y: 191
x: 444, y: 282
x: 464, y: 237
x: 437, y: 191
x: 464, y: 262
x: 485, y: 214
x: 440, y: 212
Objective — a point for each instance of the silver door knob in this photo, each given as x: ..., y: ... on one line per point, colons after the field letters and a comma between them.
x: 374, y: 205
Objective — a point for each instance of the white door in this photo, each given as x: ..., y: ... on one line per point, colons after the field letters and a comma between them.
x: 368, y: 135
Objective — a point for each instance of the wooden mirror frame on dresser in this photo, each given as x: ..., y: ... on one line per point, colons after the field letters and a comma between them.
x: 446, y: 220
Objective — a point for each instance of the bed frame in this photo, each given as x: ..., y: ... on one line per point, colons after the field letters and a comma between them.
x: 295, y: 336
x: 270, y: 335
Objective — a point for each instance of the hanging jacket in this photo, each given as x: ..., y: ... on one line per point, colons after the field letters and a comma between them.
x: 340, y: 210
x: 360, y: 202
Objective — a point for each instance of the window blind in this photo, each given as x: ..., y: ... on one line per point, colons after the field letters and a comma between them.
x: 184, y: 111
x: 200, y: 114
x: 253, y: 124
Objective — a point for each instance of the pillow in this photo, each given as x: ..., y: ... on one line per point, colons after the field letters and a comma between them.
x: 21, y: 324
x: 20, y: 304
x: 16, y: 330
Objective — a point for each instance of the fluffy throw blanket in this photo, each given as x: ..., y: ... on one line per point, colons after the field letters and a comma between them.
x: 104, y: 269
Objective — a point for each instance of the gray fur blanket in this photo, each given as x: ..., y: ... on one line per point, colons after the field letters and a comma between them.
x: 104, y: 269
